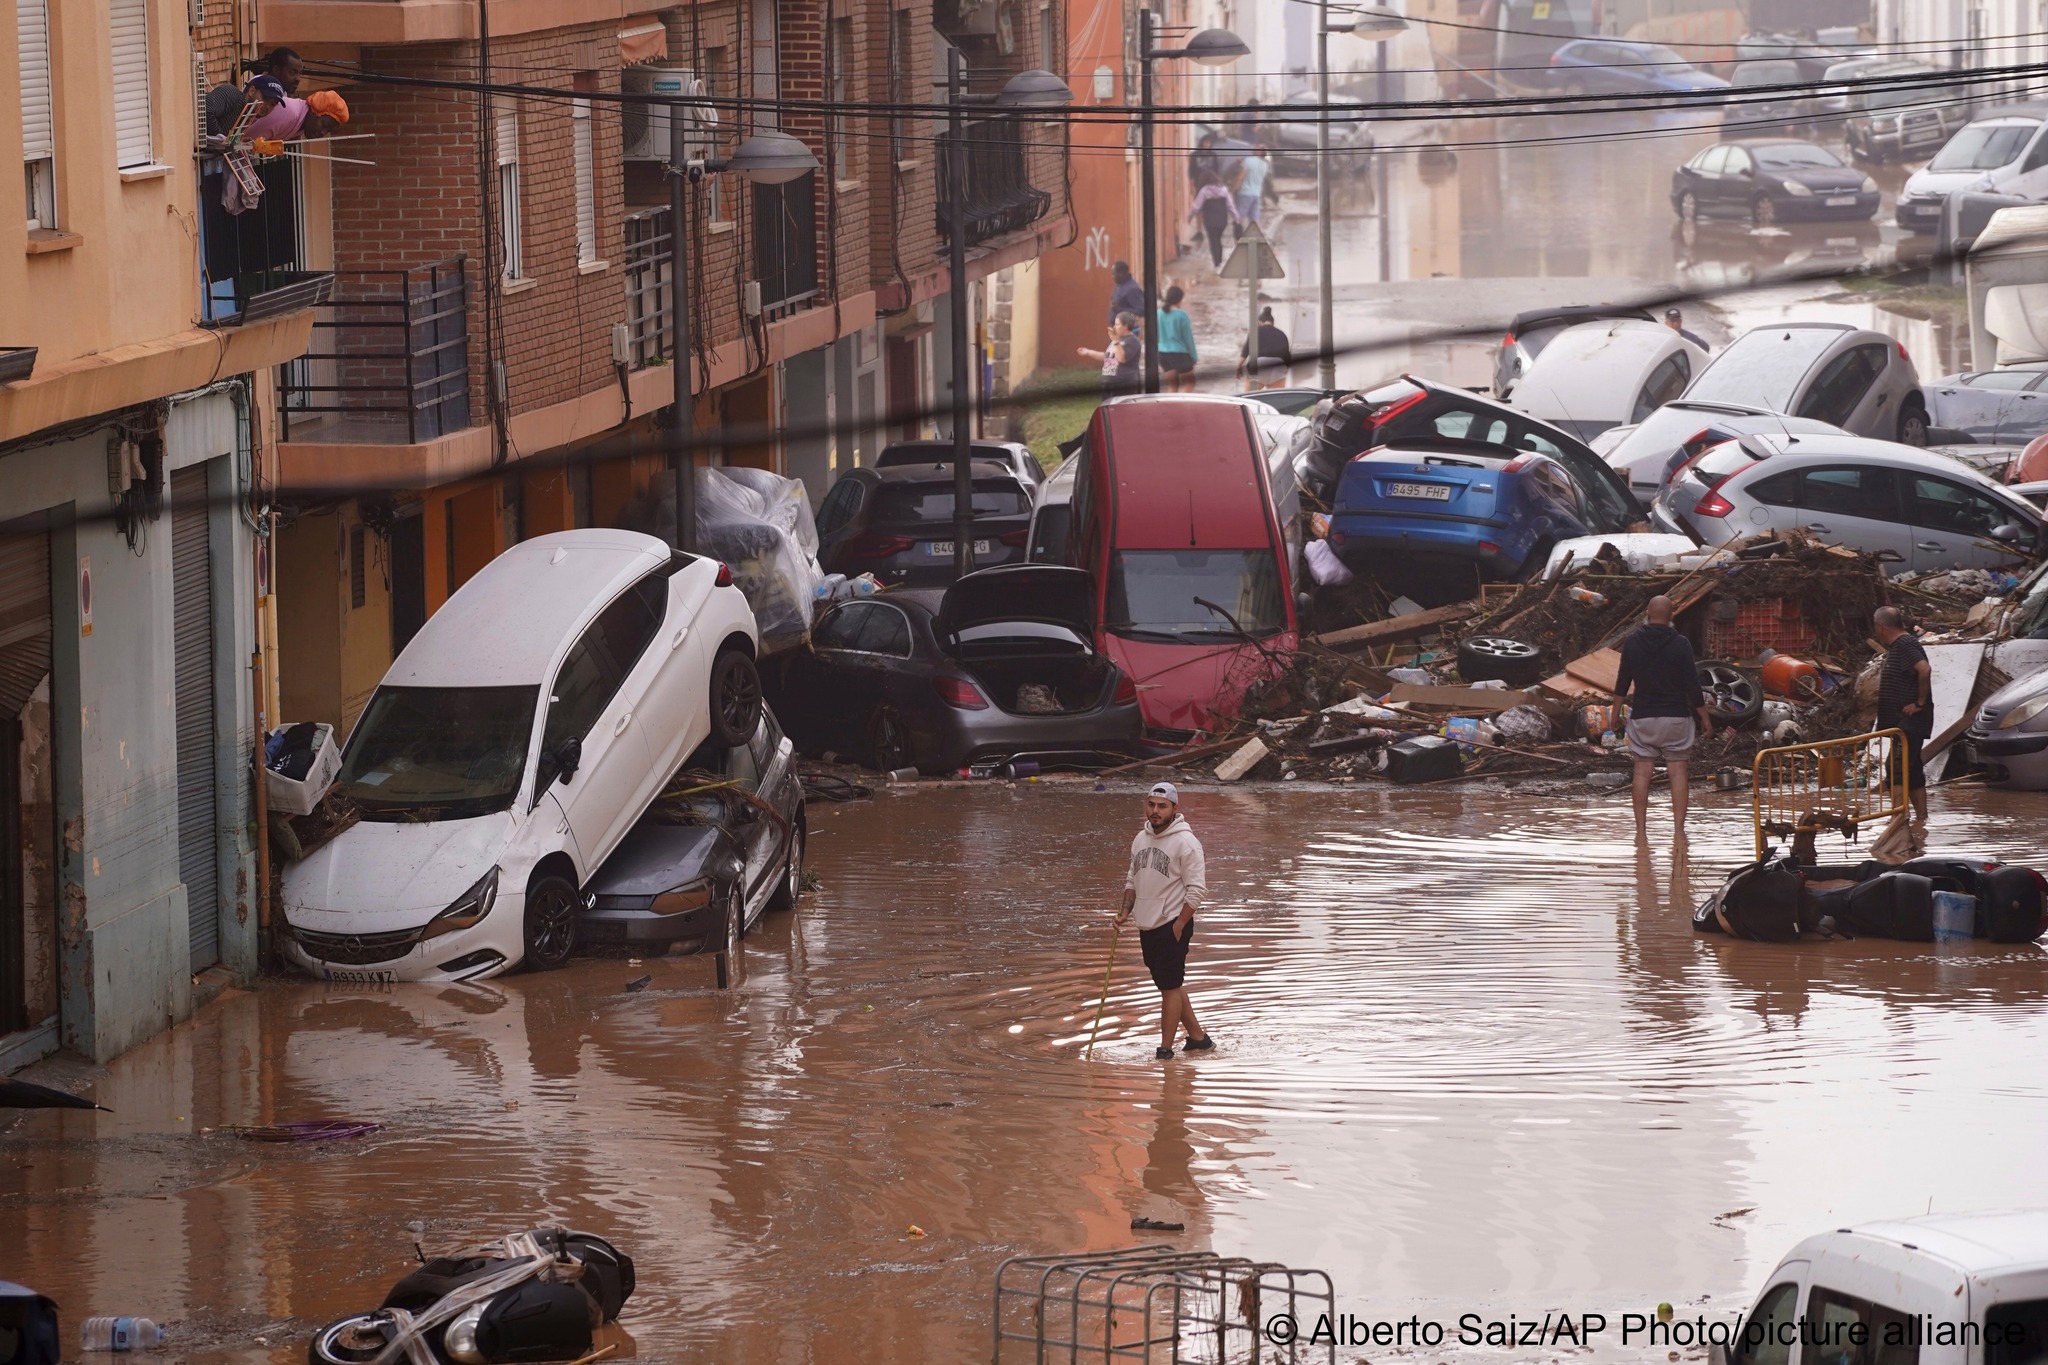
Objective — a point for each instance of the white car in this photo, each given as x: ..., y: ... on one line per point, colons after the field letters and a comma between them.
x: 1948, y: 1289
x: 510, y: 748
x: 2005, y: 152
x: 1849, y: 377
x: 1596, y: 375
x: 1649, y: 452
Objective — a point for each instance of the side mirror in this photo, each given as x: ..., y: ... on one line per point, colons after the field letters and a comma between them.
x: 568, y: 757
x: 2005, y: 534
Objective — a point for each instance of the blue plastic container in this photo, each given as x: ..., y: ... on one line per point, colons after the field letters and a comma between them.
x: 1955, y: 917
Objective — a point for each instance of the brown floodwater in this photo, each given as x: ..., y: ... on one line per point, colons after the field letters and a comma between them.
x: 1472, y: 1059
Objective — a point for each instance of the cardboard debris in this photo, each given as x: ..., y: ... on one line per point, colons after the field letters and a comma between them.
x: 1242, y: 761
x: 1600, y: 669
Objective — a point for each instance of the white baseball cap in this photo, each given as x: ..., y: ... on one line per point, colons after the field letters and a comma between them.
x: 1166, y: 791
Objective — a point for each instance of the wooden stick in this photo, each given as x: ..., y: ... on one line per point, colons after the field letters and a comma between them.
x: 1175, y: 759
x: 1115, y: 932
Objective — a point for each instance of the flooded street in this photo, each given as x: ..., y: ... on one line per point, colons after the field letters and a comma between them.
x: 1472, y: 1059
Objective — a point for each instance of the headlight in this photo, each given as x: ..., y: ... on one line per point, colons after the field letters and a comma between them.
x: 1869, y: 185
x: 2024, y: 712
x: 459, y: 1340
x: 469, y: 908
x: 695, y: 896
x: 1795, y: 189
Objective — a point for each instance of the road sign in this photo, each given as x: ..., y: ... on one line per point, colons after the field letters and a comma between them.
x: 1252, y: 258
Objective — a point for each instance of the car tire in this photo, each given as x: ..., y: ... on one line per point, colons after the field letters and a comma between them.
x: 1688, y: 207
x: 1734, y: 699
x: 888, y: 741
x: 735, y: 688
x: 735, y: 926
x: 1763, y: 212
x: 1912, y: 429
x: 792, y: 884
x: 551, y: 919
x: 1496, y: 658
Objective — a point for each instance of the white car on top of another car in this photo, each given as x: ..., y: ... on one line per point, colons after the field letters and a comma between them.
x: 508, y: 750
x: 1849, y: 377
x: 1596, y: 375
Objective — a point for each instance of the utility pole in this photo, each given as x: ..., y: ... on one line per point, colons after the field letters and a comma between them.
x: 682, y: 420
x: 1326, y: 305
x: 956, y: 260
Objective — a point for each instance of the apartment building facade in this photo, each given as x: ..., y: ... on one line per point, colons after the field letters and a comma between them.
x: 136, y: 403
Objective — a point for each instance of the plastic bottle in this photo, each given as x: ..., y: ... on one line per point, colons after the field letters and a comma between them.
x: 119, y: 1334
x: 1586, y: 595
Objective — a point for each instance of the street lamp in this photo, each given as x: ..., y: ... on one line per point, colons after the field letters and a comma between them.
x: 1210, y: 47
x: 766, y: 158
x: 1025, y: 90
x: 1374, y: 24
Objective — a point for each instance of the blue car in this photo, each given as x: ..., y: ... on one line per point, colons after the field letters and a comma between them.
x: 1612, y: 66
x: 1435, y: 517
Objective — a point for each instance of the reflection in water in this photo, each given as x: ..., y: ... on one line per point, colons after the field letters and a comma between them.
x: 1472, y: 1059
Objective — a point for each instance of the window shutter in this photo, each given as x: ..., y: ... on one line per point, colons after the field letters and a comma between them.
x: 586, y: 184
x: 32, y: 22
x: 133, y: 145
x: 508, y: 138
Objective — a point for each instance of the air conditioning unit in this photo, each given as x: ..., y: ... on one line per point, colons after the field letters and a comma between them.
x: 645, y: 125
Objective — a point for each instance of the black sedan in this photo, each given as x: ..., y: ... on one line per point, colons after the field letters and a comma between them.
x: 720, y: 847
x: 999, y: 666
x: 897, y: 523
x: 1768, y: 181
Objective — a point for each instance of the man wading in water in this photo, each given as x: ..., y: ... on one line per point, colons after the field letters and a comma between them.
x: 1161, y: 892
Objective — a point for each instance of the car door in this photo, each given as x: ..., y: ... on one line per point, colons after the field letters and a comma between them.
x: 1856, y: 505
x: 2026, y: 415
x: 1710, y: 185
x: 1736, y: 185
x: 819, y: 707
x: 1953, y: 522
x: 1840, y: 394
x: 672, y: 708
x: 2030, y: 179
x: 589, y: 704
x: 1976, y: 405
x: 1770, y: 1329
x: 753, y: 767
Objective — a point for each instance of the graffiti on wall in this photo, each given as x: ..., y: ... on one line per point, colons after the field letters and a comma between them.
x: 1096, y: 249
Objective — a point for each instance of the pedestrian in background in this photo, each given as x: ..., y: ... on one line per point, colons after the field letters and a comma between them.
x: 1126, y: 295
x: 1175, y: 338
x: 1657, y: 668
x: 1269, y: 369
x: 1905, y: 703
x: 1249, y: 193
x: 1122, y: 360
x: 1215, y: 210
x: 1162, y: 891
x: 1675, y: 320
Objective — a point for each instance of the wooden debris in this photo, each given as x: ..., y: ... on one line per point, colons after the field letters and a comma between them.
x: 1399, y: 628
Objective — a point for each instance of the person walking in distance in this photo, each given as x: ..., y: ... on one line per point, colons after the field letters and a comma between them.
x: 1657, y: 667
x: 1162, y: 891
x: 1176, y: 333
x: 1905, y: 703
x: 1215, y: 210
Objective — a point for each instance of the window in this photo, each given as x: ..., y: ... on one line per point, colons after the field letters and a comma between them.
x: 513, y: 264
x: 909, y: 506
x: 1767, y: 1334
x: 1738, y: 161
x: 1842, y: 385
x: 1940, y: 505
x: 845, y: 140
x: 1665, y: 383
x: 38, y: 142
x: 1764, y: 368
x: 2003, y: 379
x: 1556, y: 484
x: 2037, y: 155
x: 841, y: 628
x: 717, y: 72
x: 1841, y: 1329
x: 1152, y: 594
x: 1458, y: 424
x: 2013, y: 1332
x: 449, y: 753
x: 886, y: 631
x: 597, y: 665
x: 585, y: 149
x: 1850, y: 491
x: 133, y: 144
x: 1780, y: 490
x: 1714, y: 160
x: 838, y: 507
x: 899, y: 85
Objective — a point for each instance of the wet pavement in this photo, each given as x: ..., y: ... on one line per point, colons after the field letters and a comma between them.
x: 1472, y: 1059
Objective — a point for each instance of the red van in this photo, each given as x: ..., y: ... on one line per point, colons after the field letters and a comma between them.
x: 1173, y: 512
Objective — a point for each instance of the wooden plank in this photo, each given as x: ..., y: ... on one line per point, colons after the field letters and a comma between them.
x: 1241, y: 762
x: 1397, y: 628
x: 1599, y: 669
x: 1483, y: 700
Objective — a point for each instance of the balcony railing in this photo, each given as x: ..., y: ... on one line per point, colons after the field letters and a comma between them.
x: 250, y: 260
x: 650, y: 268
x: 786, y: 245
x: 1000, y: 195
x: 389, y: 360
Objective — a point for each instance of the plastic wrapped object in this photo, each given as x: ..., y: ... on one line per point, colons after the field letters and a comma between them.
x: 1523, y: 722
x: 760, y: 524
x: 1323, y: 564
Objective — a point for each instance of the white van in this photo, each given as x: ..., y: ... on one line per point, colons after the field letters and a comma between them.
x: 2005, y: 152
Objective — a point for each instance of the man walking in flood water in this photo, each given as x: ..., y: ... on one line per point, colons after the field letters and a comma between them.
x: 1162, y: 890
x: 1905, y: 703
x: 1657, y: 665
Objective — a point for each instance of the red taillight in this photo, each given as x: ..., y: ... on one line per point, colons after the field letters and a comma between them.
x: 1383, y: 415
x: 1507, y: 341
x: 1126, y: 689
x: 1713, y: 505
x: 1014, y: 537
x: 1519, y: 463
x: 872, y: 546
x: 959, y: 693
x: 1488, y: 548
x: 724, y: 579
x: 1902, y: 353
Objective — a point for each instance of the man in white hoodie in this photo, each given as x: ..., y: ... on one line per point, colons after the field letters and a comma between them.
x: 1161, y: 892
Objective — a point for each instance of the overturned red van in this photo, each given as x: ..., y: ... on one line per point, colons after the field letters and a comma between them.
x: 1173, y: 512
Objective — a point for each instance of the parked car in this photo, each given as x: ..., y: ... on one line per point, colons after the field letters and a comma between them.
x: 1812, y: 58
x: 1175, y: 515
x: 1766, y: 98
x: 1290, y: 135
x: 1052, y: 516
x: 1770, y: 181
x: 1530, y: 332
x: 1015, y: 454
x: 2006, y: 406
x: 1926, y: 512
x: 1293, y: 402
x: 1842, y: 102
x: 1596, y: 375
x: 1849, y: 377
x: 1002, y: 664
x: 1927, y: 1286
x: 704, y: 867
x: 1615, y: 66
x: 897, y: 523
x: 2003, y: 152
x: 1895, y: 117
x: 2009, y: 736
x: 508, y: 750
x: 1436, y: 517
x: 1648, y: 453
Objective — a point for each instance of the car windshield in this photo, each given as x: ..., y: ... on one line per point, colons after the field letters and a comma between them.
x: 1764, y: 367
x: 1657, y: 56
x: 1983, y: 147
x: 1152, y: 594
x: 900, y: 505
x: 438, y: 753
x: 1766, y: 73
x: 1791, y: 155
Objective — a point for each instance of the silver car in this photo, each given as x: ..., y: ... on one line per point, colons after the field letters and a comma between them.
x: 1648, y: 453
x: 1925, y: 512
x: 1849, y: 377
x: 2008, y: 405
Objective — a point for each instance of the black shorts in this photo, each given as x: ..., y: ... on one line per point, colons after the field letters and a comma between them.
x: 1176, y: 362
x: 1165, y: 956
x: 1907, y: 755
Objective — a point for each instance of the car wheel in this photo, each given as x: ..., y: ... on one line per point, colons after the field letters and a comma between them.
x: 887, y: 743
x: 1688, y: 207
x: 735, y: 927
x: 1763, y: 213
x: 1496, y: 658
x: 553, y: 910
x: 735, y: 698
x: 793, y: 873
x: 1733, y: 697
x: 353, y: 1340
x: 1912, y: 425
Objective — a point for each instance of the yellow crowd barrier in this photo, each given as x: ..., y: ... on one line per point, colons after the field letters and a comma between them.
x: 1837, y: 784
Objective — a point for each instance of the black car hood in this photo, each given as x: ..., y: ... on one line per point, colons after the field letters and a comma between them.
x: 1053, y: 593
x: 656, y: 857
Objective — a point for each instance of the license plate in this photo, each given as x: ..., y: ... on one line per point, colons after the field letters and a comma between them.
x: 1435, y: 492
x: 943, y: 549
x: 1924, y: 210
x: 380, y: 977
x: 1840, y: 201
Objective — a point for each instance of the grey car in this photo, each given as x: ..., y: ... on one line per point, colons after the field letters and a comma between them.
x: 1923, y: 511
x: 1849, y: 377
x: 1896, y: 117
x: 2009, y: 736
x: 939, y: 453
x: 1649, y: 452
x: 2006, y: 406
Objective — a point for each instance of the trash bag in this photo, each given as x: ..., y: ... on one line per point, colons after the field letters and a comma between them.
x: 1323, y: 564
x: 760, y: 524
x: 1523, y: 722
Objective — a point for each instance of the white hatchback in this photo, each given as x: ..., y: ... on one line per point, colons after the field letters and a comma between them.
x: 1597, y: 375
x: 508, y: 750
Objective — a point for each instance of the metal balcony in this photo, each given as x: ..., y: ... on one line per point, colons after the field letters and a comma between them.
x: 389, y: 361
x: 1000, y: 195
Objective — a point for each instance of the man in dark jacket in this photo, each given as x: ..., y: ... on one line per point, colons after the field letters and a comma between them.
x: 1657, y: 667
x: 1904, y: 703
x: 1126, y: 295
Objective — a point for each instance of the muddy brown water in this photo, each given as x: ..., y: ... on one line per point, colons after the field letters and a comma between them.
x: 1472, y: 1060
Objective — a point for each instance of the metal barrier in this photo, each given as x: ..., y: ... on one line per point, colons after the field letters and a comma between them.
x: 1837, y: 784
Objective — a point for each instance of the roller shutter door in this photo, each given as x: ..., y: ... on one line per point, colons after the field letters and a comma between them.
x: 192, y: 657
x: 24, y: 617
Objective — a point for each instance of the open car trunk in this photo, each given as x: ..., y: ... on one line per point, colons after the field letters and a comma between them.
x: 1023, y: 632
x: 1024, y: 682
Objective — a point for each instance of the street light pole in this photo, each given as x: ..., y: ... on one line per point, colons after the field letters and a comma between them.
x: 1148, y: 198
x: 682, y: 418
x: 956, y: 261
x: 1326, y: 306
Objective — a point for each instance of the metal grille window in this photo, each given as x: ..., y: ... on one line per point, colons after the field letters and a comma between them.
x: 899, y: 84
x: 586, y: 184
x: 508, y: 195
x: 38, y: 143
x: 134, y: 144
x: 358, y: 572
